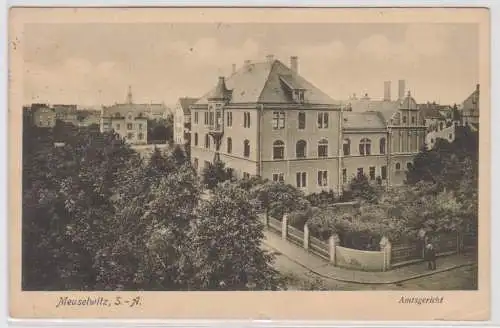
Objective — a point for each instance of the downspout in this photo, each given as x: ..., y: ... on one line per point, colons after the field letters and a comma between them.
x: 340, y: 152
x: 259, y: 131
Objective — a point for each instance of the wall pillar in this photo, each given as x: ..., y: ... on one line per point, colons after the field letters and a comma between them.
x: 386, y: 247
x: 284, y: 227
x: 306, y: 236
x: 333, y: 241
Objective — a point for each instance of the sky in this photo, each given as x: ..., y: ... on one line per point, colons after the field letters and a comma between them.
x: 93, y: 64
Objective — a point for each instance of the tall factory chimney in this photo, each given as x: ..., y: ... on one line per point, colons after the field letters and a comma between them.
x: 401, y: 90
x: 387, y: 91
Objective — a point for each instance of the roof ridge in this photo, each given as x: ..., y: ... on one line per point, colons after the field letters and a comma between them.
x: 267, y: 80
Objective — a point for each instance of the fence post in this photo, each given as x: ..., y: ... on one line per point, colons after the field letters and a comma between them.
x: 385, y: 247
x: 332, y: 243
x: 306, y: 236
x: 284, y: 227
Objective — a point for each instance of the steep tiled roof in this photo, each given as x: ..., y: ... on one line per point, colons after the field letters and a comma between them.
x: 385, y: 108
x: 262, y: 82
x: 363, y: 120
x: 185, y: 102
x: 430, y: 111
x: 143, y: 109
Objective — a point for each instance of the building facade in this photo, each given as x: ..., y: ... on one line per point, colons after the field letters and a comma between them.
x: 267, y: 120
x: 43, y: 115
x: 128, y: 120
x: 470, y: 109
x: 182, y: 120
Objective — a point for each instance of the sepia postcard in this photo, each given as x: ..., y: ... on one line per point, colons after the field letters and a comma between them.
x: 249, y: 163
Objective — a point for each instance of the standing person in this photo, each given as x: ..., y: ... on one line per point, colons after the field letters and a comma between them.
x: 430, y: 256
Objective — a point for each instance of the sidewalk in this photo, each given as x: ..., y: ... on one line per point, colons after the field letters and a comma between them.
x: 327, y: 270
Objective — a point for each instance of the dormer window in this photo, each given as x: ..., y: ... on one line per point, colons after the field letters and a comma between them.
x: 298, y: 96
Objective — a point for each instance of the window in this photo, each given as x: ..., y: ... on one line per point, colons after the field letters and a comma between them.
x: 383, y: 172
x: 195, y: 117
x: 398, y: 166
x: 360, y: 171
x: 278, y: 177
x: 140, y: 136
x: 278, y: 149
x: 322, y: 178
x: 347, y: 147
x: 118, y: 126
x: 229, y: 145
x: 404, y: 119
x: 246, y: 148
x: 196, y: 139
x: 211, y: 118
x: 372, y: 172
x: 246, y: 119
x: 365, y: 147
x: 323, y: 148
x: 302, y: 121
x: 195, y: 163
x: 441, y: 126
x: 413, y: 120
x: 246, y: 175
x: 206, y: 164
x: 382, y: 146
x: 278, y: 120
x: 323, y: 120
x: 130, y: 117
x: 129, y: 126
x: 301, y: 179
x: 301, y: 149
x: 450, y: 136
x: 409, y: 166
x: 344, y: 175
x: 130, y: 136
x: 205, y: 116
x: 229, y: 119
x: 207, y: 141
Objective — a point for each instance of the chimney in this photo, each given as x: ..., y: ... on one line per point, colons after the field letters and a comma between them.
x: 401, y: 90
x: 294, y: 64
x: 234, y: 69
x: 270, y: 58
x: 387, y: 91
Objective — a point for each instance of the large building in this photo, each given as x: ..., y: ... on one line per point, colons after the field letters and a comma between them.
x: 182, y: 120
x: 265, y: 119
x: 470, y: 109
x: 43, y: 115
x: 129, y: 120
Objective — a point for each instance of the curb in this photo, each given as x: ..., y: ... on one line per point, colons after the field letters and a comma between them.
x: 385, y: 282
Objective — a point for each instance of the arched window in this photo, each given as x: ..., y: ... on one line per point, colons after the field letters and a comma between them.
x: 323, y: 148
x: 398, y: 166
x: 229, y: 145
x: 196, y: 139
x: 301, y: 149
x: 382, y: 145
x: 347, y: 147
x: 207, y: 141
x: 278, y: 149
x: 365, y: 146
x: 246, y: 148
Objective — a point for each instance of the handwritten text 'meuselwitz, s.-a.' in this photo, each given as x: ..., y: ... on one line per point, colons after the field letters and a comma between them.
x: 98, y: 301
x: 421, y: 300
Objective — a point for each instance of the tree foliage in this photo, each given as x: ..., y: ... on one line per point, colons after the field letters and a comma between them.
x: 98, y: 217
x: 215, y: 173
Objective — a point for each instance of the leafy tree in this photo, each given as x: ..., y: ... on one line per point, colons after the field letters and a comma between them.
x: 180, y: 156
x: 161, y: 130
x: 278, y: 198
x: 361, y: 189
x: 226, y: 240
x: 215, y: 173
